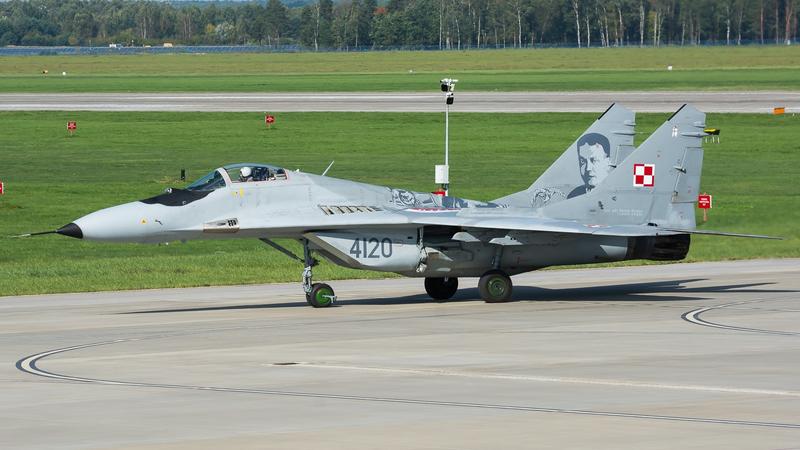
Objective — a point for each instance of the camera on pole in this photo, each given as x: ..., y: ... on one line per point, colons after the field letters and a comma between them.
x: 448, y: 85
x: 442, y: 177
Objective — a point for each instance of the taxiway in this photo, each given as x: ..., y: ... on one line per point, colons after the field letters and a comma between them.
x: 490, y: 102
x: 669, y: 356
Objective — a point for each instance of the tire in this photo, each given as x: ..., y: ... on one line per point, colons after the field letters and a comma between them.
x: 439, y: 289
x: 495, y: 287
x: 321, y: 295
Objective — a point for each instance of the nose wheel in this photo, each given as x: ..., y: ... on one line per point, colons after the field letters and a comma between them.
x: 321, y: 295
x: 318, y: 295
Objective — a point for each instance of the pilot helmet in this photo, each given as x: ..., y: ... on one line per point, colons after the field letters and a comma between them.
x: 246, y: 172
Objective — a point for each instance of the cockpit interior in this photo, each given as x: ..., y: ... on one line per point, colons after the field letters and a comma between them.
x: 238, y: 173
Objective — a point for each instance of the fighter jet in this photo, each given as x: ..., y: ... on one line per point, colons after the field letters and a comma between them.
x: 601, y: 201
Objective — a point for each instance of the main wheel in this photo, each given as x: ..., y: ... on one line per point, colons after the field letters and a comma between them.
x: 495, y: 286
x: 441, y: 288
x: 321, y: 295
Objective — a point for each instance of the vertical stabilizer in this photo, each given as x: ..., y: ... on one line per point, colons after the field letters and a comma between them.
x: 601, y: 148
x: 657, y: 184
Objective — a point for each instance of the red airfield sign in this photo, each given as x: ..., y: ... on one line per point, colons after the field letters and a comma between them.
x: 704, y: 201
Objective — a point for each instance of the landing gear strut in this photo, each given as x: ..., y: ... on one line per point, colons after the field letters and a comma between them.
x: 318, y: 295
x: 441, y: 288
x: 495, y: 286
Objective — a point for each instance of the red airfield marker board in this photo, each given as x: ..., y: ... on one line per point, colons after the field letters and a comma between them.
x: 704, y: 203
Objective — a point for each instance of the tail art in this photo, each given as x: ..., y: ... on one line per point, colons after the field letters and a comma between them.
x: 601, y: 148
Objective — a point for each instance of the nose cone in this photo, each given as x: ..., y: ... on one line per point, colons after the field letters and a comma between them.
x: 130, y: 222
x: 71, y: 230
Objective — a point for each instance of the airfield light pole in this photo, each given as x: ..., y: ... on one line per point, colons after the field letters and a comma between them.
x: 448, y: 85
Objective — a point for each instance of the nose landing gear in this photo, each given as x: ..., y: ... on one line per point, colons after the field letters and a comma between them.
x: 318, y: 295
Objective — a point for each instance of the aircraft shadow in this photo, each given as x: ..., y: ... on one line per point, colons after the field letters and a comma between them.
x: 671, y: 290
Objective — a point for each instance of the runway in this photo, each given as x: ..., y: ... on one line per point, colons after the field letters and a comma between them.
x: 490, y: 102
x: 697, y: 355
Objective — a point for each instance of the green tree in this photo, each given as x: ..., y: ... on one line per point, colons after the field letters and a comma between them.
x: 325, y: 23
x: 308, y: 26
x: 366, y: 14
x: 277, y: 21
x: 83, y: 26
x: 251, y: 23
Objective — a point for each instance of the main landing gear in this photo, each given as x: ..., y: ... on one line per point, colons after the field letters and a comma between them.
x: 318, y: 295
x: 441, y: 288
x: 495, y: 286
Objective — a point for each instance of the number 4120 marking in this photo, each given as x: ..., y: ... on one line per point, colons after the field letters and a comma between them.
x: 371, y: 248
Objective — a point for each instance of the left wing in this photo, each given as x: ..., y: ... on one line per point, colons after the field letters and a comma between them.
x: 509, y: 219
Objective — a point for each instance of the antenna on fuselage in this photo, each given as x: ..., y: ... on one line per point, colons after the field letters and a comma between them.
x: 329, y: 168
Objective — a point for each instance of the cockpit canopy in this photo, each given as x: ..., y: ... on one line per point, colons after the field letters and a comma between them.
x: 209, y: 182
x: 238, y: 173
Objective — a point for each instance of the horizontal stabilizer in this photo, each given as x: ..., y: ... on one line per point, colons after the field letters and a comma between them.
x: 723, y: 233
x: 521, y: 220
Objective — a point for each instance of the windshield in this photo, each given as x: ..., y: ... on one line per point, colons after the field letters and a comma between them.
x: 209, y: 182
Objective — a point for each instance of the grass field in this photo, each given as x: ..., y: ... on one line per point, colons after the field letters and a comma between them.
x: 52, y: 179
x: 705, y: 68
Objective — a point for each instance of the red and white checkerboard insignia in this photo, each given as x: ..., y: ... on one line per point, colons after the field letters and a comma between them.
x: 644, y: 175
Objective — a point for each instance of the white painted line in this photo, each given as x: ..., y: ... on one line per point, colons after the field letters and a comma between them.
x: 694, y: 317
x: 546, y: 379
x: 29, y: 365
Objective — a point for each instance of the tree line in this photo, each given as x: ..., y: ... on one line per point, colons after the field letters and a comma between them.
x: 444, y: 24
